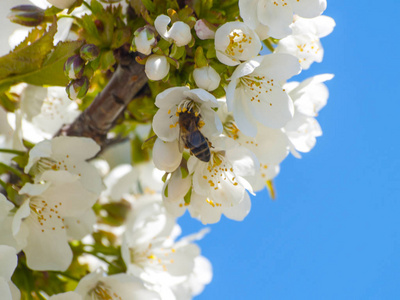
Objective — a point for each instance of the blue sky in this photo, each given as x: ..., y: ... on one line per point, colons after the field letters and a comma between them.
x: 334, y: 230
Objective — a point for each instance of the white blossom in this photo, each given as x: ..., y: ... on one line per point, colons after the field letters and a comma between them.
x: 273, y: 18
x: 305, y: 43
x: 309, y: 97
x: 98, y: 286
x: 127, y: 179
x: 236, y: 42
x: 255, y: 94
x: 179, y: 33
x: 206, y: 78
x: 39, y: 225
x: 149, y: 248
x: 68, y: 154
x: 8, y: 263
x: 156, y: 67
x: 270, y: 145
x: 220, y: 185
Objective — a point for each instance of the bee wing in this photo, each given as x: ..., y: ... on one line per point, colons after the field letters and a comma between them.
x: 181, y: 140
x: 196, y: 139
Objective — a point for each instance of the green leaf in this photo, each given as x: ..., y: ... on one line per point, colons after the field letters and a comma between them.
x: 149, y: 5
x: 51, y: 73
x: 91, y: 34
x: 35, y: 63
x: 28, y: 56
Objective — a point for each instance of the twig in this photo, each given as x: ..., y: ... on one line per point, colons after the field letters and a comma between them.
x: 95, y: 122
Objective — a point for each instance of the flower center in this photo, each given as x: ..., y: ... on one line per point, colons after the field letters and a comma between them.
x: 103, y: 292
x: 44, y: 213
x: 231, y: 129
x: 257, y: 86
x: 219, y: 169
x: 156, y: 258
x: 238, y: 40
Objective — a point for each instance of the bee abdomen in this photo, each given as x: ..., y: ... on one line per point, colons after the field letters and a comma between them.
x: 202, y: 152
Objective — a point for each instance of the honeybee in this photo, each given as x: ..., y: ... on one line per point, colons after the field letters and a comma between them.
x: 191, y: 137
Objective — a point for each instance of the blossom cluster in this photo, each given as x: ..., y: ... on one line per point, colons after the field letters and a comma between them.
x: 97, y: 218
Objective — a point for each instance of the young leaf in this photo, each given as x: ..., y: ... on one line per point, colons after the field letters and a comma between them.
x: 28, y: 56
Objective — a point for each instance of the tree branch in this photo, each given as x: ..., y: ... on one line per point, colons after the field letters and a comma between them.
x: 95, y: 122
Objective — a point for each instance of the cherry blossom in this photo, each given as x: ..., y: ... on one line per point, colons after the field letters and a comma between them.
x: 68, y: 154
x: 255, y: 93
x: 235, y: 42
x: 273, y: 18
x: 305, y: 43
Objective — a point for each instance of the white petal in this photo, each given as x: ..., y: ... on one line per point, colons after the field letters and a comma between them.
x: 239, y: 211
x: 80, y: 148
x: 8, y: 261
x: 5, y: 290
x: 277, y: 17
x: 309, y: 8
x: 66, y: 296
x: 166, y: 155
x: 161, y: 23
x: 47, y: 249
x: 171, y: 97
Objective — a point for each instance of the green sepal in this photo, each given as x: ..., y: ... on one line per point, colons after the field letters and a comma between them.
x: 166, y: 191
x: 199, y: 58
x: 149, y: 143
x: 164, y: 177
x: 177, y: 52
x: 184, y: 172
x: 188, y: 197
x: 137, y: 154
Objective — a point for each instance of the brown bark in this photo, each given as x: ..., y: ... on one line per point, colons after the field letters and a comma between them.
x: 95, y: 122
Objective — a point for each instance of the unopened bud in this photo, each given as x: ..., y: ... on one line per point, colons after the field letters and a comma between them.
x: 144, y: 40
x: 157, y: 67
x: 206, y: 78
x: 89, y: 52
x: 26, y: 15
x: 204, y: 30
x: 62, y: 3
x: 74, y: 67
x: 78, y: 88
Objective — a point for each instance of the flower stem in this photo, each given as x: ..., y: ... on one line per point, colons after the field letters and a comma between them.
x: 12, y: 151
x: 268, y: 43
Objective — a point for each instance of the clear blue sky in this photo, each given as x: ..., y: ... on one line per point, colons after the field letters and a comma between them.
x: 334, y: 230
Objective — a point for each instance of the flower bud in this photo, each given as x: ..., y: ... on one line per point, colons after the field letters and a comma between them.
x: 74, y: 67
x: 206, y: 78
x: 179, y: 32
x: 203, y: 30
x: 157, y: 67
x: 144, y: 40
x: 26, y: 15
x: 89, y: 52
x: 61, y: 4
x: 78, y: 88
